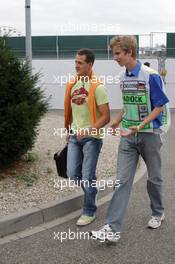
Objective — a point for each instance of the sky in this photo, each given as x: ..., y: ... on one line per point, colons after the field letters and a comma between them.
x: 78, y: 17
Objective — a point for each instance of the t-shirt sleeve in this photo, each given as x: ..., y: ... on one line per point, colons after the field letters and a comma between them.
x: 157, y: 95
x: 101, y: 95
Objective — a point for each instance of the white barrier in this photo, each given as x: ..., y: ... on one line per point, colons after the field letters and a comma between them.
x: 56, y: 72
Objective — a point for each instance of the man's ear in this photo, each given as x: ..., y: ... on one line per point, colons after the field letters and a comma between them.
x: 90, y: 65
x: 130, y: 52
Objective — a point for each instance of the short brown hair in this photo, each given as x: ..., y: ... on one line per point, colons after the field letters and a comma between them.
x: 126, y: 43
x: 90, y: 57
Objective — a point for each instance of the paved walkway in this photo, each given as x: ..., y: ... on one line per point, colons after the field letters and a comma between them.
x: 138, y: 244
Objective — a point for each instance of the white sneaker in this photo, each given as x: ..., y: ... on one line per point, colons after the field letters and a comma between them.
x: 85, y: 220
x: 105, y: 234
x: 156, y: 221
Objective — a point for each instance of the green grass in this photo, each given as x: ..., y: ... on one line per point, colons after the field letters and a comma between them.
x: 31, y: 157
x: 28, y: 179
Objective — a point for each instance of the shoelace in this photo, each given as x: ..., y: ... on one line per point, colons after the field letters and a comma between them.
x: 155, y: 218
x: 106, y: 228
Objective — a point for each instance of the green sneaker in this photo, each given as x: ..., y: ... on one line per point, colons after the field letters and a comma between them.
x: 85, y: 220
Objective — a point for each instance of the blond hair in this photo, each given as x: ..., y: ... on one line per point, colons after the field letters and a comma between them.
x: 126, y: 43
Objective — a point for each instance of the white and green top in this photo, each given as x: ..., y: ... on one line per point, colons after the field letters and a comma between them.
x: 142, y: 91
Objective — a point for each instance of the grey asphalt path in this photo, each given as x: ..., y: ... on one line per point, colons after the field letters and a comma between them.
x: 138, y: 244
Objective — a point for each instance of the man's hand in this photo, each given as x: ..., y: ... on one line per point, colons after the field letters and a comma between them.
x: 84, y: 133
x: 81, y: 135
x: 127, y: 132
x: 114, y: 127
x: 113, y: 130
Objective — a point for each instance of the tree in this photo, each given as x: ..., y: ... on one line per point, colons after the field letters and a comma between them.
x: 22, y: 105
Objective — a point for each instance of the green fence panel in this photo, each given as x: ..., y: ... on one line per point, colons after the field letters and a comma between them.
x: 44, y: 47
x: 170, y: 45
x: 17, y: 44
x: 69, y: 45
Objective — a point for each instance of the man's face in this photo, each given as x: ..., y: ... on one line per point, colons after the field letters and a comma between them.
x: 122, y: 57
x: 82, y: 67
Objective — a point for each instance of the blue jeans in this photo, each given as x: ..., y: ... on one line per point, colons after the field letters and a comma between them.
x: 82, y: 159
x: 148, y: 146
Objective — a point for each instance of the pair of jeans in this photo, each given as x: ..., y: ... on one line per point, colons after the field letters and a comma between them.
x: 82, y: 159
x: 147, y: 145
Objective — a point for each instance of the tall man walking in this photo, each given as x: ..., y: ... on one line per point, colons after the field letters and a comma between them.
x: 143, y: 117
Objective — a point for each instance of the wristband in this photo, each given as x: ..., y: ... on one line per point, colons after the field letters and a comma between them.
x: 138, y: 128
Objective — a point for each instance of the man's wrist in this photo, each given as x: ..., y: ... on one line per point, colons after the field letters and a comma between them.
x: 139, y: 127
